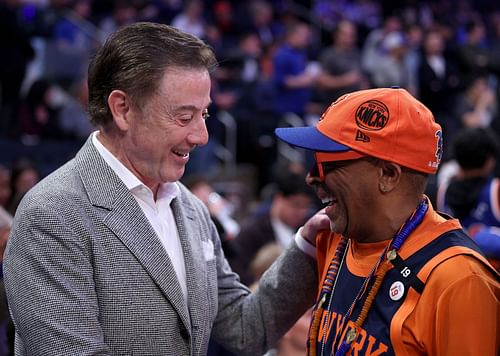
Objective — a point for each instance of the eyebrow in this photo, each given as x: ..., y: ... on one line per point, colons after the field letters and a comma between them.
x: 191, y: 107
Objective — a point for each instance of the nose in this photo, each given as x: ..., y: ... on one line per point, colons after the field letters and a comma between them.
x: 313, y: 180
x: 199, y: 134
x: 318, y: 185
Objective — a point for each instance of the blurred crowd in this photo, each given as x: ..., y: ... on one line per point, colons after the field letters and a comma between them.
x: 281, y: 63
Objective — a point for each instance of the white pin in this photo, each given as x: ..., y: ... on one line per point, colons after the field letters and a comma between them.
x: 397, y: 291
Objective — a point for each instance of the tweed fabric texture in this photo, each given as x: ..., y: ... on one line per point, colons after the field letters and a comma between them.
x: 86, y: 274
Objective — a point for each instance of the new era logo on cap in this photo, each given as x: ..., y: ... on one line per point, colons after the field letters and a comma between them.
x: 360, y: 136
x: 387, y: 123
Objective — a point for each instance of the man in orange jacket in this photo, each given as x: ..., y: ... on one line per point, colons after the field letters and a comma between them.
x: 396, y: 276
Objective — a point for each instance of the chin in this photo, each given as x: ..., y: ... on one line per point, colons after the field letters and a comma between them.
x: 333, y: 228
x: 338, y: 227
x: 178, y: 174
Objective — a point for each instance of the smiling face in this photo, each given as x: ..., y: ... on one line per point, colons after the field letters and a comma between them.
x: 350, y: 191
x: 156, y: 140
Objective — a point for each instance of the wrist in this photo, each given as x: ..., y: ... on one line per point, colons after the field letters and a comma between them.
x: 305, y: 245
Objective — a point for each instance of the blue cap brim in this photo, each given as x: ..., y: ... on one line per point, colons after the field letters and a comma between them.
x: 309, y: 138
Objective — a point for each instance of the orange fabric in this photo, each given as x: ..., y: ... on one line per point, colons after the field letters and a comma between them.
x: 462, y: 298
x: 459, y: 311
x: 386, y: 123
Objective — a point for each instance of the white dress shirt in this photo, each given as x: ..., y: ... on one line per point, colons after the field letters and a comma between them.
x: 159, y: 213
x: 284, y: 234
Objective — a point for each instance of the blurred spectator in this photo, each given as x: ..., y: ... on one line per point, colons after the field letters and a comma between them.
x: 276, y: 221
x: 473, y: 55
x: 340, y: 64
x: 473, y: 194
x: 413, y: 36
x: 73, y: 118
x: 262, y: 260
x: 221, y: 210
x: 263, y: 23
x: 391, y: 67
x: 373, y: 46
x: 16, y: 53
x: 292, y: 81
x: 225, y: 20
x: 5, y: 225
x: 249, y: 50
x: 191, y: 19
x: 6, y: 325
x: 438, y: 74
x: 24, y: 175
x: 438, y: 80
x: 5, y: 190
x: 75, y: 39
x: 495, y: 43
x: 38, y: 113
x: 240, y: 80
x: 122, y: 13
x: 294, y: 342
x: 477, y: 104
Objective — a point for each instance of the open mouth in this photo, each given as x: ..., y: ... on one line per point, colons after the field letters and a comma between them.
x: 325, y: 195
x: 328, y: 201
x: 181, y: 154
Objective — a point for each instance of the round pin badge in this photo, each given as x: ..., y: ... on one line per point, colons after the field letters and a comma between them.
x: 397, y: 290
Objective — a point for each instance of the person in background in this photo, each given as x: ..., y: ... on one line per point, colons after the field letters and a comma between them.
x: 24, y: 176
x: 6, y: 326
x: 391, y: 68
x: 39, y: 112
x: 277, y: 221
x: 438, y: 83
x: 5, y: 189
x: 112, y: 255
x: 473, y: 193
x: 477, y: 103
x: 340, y: 64
x: 191, y: 20
x: 122, y: 13
x: 73, y: 117
x: 395, y: 274
x: 221, y: 210
x: 373, y: 46
x: 293, y: 83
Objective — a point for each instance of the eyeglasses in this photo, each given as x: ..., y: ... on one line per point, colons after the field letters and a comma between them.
x: 327, y: 161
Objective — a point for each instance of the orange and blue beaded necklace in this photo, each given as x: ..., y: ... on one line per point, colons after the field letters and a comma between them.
x: 379, y: 271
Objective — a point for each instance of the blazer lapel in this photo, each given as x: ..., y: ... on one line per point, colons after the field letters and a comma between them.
x: 128, y: 222
x: 185, y: 216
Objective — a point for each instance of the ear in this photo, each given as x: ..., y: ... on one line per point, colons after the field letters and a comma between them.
x: 389, y: 176
x: 120, y: 107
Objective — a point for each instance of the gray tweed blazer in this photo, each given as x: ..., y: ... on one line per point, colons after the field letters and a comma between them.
x: 85, y: 274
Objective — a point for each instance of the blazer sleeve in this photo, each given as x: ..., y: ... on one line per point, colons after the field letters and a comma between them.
x: 49, y: 284
x: 251, y: 323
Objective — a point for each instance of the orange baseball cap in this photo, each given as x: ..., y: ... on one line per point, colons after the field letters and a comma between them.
x: 386, y: 123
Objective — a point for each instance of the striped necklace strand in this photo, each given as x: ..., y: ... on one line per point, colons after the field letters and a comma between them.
x: 398, y: 240
x: 330, y: 281
x: 328, y: 285
x: 332, y: 292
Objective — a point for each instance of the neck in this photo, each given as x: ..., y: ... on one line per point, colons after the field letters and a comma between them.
x: 393, y: 214
x: 113, y: 144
